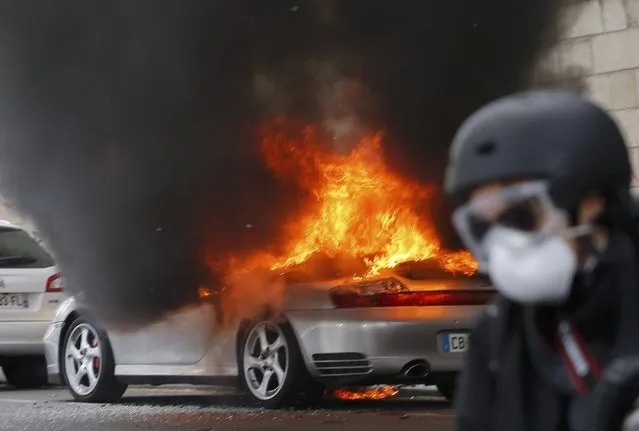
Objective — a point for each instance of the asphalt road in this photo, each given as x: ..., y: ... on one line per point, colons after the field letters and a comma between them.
x: 214, y: 409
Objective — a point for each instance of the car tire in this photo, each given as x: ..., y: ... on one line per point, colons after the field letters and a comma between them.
x: 96, y: 382
x: 290, y: 385
x: 25, y: 372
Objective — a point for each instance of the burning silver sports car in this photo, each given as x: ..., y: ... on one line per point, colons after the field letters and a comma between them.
x: 410, y: 327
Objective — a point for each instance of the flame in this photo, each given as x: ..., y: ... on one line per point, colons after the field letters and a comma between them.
x: 378, y: 393
x: 361, y: 207
x: 361, y: 215
x: 205, y: 292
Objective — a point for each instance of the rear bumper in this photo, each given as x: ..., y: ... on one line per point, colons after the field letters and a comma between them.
x: 380, y: 341
x: 22, y: 338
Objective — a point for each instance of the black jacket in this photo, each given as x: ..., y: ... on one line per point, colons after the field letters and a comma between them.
x: 514, y: 378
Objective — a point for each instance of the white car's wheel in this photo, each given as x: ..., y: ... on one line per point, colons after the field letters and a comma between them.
x: 272, y: 370
x: 25, y: 372
x: 87, y: 364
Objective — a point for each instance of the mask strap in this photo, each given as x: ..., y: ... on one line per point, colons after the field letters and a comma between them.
x: 582, y: 234
x: 581, y: 231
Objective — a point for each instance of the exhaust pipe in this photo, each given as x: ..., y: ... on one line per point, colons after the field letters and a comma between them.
x: 417, y: 370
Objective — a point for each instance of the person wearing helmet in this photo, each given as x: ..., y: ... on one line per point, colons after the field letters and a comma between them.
x: 542, y: 183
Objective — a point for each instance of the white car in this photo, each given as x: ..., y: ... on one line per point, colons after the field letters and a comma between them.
x: 30, y: 293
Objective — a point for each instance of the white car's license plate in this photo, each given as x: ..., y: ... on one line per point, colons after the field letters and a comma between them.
x: 456, y: 342
x: 12, y: 301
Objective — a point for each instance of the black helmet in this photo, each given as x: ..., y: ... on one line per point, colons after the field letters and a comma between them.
x: 552, y: 135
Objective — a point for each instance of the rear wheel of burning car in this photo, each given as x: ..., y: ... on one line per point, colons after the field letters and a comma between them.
x: 87, y: 365
x: 271, y: 367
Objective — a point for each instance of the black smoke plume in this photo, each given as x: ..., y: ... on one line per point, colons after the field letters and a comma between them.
x: 128, y: 125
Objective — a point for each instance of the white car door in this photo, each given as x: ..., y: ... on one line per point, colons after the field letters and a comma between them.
x: 180, y: 339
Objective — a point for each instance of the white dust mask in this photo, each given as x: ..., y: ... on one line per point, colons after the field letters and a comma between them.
x: 531, y: 271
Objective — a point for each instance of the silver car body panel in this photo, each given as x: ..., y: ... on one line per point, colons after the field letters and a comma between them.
x: 380, y: 341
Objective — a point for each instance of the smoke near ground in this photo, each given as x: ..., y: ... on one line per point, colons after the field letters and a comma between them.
x: 128, y: 125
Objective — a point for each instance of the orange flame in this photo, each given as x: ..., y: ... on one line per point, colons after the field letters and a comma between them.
x: 362, y: 209
x: 378, y: 393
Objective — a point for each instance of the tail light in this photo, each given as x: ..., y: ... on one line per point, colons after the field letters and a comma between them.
x: 54, y: 284
x: 353, y: 296
x: 412, y: 299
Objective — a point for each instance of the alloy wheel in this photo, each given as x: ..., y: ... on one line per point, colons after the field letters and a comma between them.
x: 265, y: 360
x: 83, y: 359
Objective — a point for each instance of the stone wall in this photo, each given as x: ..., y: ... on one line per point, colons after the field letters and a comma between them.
x: 601, y: 45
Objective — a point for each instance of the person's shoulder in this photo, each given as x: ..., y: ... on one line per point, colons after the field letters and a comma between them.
x: 496, y: 313
x: 491, y: 326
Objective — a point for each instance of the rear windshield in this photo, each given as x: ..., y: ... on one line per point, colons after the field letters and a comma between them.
x: 19, y: 250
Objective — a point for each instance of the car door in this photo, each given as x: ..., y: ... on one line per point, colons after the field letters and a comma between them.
x: 180, y: 339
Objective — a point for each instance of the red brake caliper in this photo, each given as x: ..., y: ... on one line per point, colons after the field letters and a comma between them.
x: 96, y: 361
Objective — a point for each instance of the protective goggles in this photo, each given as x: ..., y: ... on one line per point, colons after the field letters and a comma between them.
x: 525, y: 207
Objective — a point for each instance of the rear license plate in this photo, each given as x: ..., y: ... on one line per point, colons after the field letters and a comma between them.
x: 456, y: 343
x: 10, y: 301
